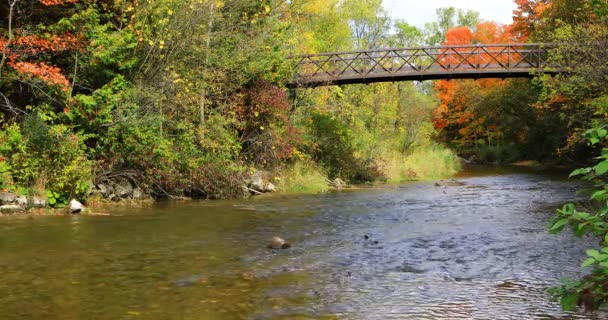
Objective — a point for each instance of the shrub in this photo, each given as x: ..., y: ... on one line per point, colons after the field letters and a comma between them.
x: 302, y: 177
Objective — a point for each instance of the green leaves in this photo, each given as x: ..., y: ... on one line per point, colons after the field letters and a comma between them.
x: 579, y: 172
x: 558, y: 225
x: 591, y: 290
x: 569, y: 301
x: 601, y: 168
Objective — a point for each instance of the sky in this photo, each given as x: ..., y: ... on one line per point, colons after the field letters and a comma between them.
x: 417, y: 12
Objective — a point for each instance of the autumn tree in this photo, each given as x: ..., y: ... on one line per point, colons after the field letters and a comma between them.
x: 527, y: 17
x: 472, y: 114
x: 28, y: 49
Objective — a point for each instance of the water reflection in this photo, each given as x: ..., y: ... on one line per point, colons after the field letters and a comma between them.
x: 473, y: 251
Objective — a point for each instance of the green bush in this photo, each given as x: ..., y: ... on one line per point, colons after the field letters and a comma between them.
x: 426, y: 162
x: 47, y: 158
x: 332, y: 145
x: 591, y: 291
x: 302, y: 177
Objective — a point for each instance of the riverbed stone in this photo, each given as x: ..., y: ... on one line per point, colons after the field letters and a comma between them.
x: 10, y: 208
x: 278, y: 243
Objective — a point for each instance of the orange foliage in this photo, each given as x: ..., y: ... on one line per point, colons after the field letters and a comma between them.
x: 26, y: 47
x: 49, y: 74
x: 49, y: 3
x: 459, y: 35
x: 454, y: 96
x: 527, y: 14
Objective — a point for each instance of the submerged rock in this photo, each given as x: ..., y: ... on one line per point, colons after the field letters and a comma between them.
x: 449, y: 183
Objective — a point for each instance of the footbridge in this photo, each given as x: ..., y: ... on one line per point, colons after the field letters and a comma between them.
x: 423, y: 63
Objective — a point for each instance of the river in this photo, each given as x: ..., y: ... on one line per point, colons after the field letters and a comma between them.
x: 475, y: 250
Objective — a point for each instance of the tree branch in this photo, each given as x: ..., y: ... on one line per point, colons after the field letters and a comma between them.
x: 10, y: 34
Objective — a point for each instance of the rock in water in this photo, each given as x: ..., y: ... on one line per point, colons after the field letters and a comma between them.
x: 75, y: 206
x: 278, y: 243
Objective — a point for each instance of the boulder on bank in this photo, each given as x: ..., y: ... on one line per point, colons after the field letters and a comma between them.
x: 10, y: 208
x: 258, y: 183
x: 75, y: 206
x: 123, y: 187
x: 11, y: 198
x: 38, y: 202
x: 270, y: 187
x: 117, y: 189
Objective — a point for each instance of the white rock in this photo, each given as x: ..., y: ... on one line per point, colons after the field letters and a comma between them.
x: 270, y: 187
x: 75, y: 206
x: 10, y: 208
x: 257, y: 182
x: 278, y: 243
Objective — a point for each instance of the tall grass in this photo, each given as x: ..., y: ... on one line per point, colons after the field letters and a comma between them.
x: 302, y: 177
x: 427, y: 162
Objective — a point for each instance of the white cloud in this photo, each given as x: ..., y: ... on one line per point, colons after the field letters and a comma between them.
x: 417, y: 12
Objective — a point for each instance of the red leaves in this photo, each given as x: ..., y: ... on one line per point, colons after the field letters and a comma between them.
x: 25, y: 48
x: 50, y: 3
x: 54, y: 43
x: 49, y: 74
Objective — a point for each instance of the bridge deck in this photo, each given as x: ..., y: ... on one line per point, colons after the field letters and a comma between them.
x: 423, y: 63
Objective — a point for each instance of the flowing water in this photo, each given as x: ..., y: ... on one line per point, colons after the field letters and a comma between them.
x: 473, y: 250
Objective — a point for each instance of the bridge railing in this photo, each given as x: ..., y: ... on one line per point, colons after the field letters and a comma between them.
x: 370, y: 65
